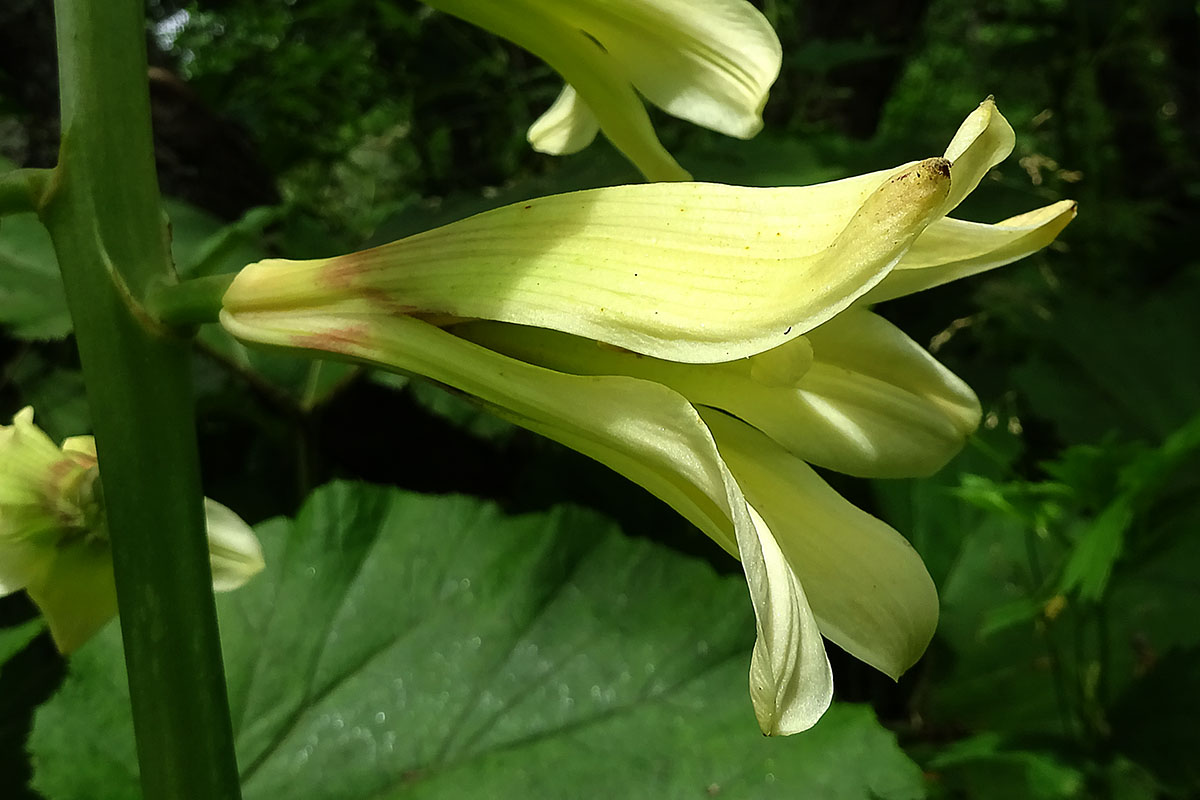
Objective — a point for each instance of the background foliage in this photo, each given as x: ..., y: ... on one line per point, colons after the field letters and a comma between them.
x: 1064, y: 540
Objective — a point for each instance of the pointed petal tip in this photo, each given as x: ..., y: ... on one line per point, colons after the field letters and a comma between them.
x: 567, y: 127
x: 789, y: 723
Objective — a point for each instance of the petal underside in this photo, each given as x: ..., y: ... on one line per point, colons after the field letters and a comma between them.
x: 855, y: 395
x: 585, y: 65
x: 868, y: 588
x: 711, y: 62
x: 642, y: 430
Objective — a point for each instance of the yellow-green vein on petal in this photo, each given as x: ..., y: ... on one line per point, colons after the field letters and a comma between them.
x: 686, y: 272
x: 867, y: 587
x: 643, y: 430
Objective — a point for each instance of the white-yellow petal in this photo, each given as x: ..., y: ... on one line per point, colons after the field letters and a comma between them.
x: 233, y: 549
x: 791, y: 682
x: 76, y: 594
x: 82, y: 447
x: 21, y: 563
x: 868, y: 588
x: 641, y: 429
x: 27, y: 457
x: 711, y: 62
x: 950, y: 249
x: 567, y: 127
x: 584, y: 65
x: 874, y: 403
x: 687, y: 272
x: 855, y: 395
x: 983, y: 140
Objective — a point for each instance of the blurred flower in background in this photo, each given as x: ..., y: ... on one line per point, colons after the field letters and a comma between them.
x: 710, y: 62
x: 54, y: 538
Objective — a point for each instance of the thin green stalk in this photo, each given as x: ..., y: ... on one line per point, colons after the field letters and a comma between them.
x: 191, y: 302
x: 104, y: 218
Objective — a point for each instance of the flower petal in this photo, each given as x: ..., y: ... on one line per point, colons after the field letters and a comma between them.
x: 687, y: 272
x: 77, y: 594
x: 950, y: 249
x: 83, y: 448
x: 642, y: 430
x: 868, y: 588
x: 233, y: 549
x: 875, y: 403
x: 27, y: 457
x: 710, y: 62
x: 584, y: 65
x: 983, y: 140
x: 856, y: 395
x: 567, y: 127
x: 21, y: 563
x: 791, y: 682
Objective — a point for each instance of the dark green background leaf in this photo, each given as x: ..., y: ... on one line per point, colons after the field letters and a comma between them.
x: 408, y: 646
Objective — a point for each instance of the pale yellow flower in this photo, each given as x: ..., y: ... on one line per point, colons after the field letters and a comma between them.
x: 705, y: 341
x: 54, y: 539
x: 710, y: 62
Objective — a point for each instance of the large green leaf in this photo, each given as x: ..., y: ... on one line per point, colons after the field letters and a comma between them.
x: 33, y: 304
x: 407, y: 646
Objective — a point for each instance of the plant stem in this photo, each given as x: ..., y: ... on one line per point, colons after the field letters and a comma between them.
x: 104, y: 217
x: 189, y: 302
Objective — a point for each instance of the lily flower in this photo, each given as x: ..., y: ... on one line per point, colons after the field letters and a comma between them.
x: 710, y: 62
x: 705, y: 341
x: 54, y: 538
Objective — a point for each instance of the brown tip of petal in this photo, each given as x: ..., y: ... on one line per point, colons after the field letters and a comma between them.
x: 929, y: 168
x: 907, y: 202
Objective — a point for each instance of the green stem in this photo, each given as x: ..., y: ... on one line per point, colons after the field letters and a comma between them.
x: 190, y: 302
x: 103, y: 216
x: 22, y: 190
